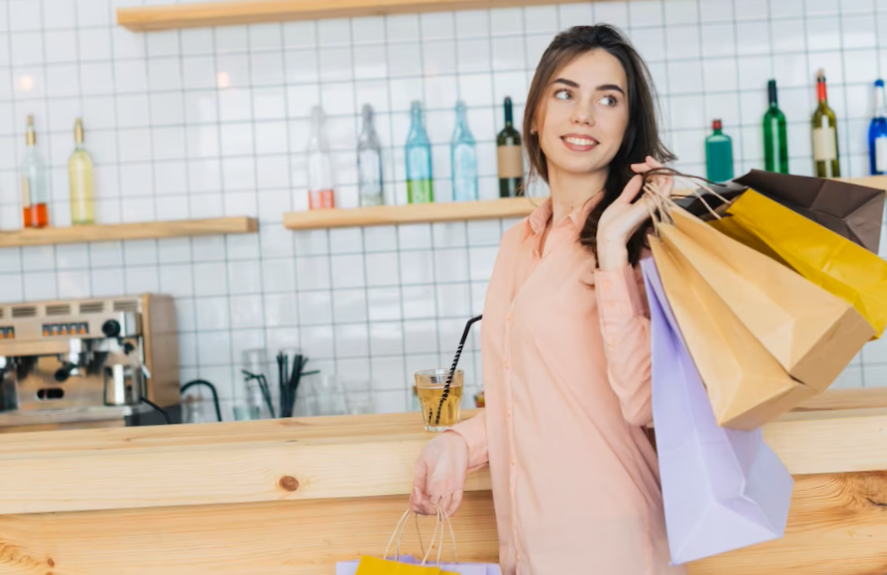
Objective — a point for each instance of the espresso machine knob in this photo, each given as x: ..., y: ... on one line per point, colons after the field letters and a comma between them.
x: 111, y: 328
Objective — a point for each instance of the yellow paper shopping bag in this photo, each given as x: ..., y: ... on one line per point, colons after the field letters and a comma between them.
x: 376, y: 566
x: 823, y: 257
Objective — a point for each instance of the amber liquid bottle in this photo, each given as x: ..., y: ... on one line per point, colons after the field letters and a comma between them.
x: 33, y: 182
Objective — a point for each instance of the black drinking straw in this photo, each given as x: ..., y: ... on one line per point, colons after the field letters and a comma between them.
x: 446, y: 391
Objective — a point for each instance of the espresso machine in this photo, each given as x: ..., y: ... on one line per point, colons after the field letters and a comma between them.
x: 108, y: 362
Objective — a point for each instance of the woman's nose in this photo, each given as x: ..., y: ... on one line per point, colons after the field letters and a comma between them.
x: 583, y: 114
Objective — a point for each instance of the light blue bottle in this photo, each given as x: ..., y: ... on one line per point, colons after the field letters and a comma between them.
x: 463, y: 156
x: 418, y: 159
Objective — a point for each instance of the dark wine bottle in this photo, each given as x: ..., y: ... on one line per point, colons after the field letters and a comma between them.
x: 510, y: 157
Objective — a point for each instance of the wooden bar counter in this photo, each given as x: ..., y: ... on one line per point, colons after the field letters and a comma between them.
x: 296, y: 496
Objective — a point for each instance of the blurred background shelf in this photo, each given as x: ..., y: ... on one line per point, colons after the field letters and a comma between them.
x: 411, y: 214
x: 447, y: 212
x: 139, y: 231
x: 148, y: 18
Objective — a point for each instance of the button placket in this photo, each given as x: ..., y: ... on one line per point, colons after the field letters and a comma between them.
x: 512, y: 471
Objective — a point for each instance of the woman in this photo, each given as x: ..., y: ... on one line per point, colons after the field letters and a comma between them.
x: 566, y: 350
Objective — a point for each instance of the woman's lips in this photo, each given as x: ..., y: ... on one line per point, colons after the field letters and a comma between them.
x: 578, y: 143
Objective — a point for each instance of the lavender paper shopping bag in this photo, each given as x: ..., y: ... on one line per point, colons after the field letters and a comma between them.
x: 723, y: 488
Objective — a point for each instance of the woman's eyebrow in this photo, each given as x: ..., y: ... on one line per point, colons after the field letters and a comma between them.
x: 613, y: 87
x: 569, y: 83
x: 600, y: 88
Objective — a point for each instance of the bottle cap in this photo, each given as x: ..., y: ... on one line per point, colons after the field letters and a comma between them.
x: 879, y: 83
x: 716, y: 125
x: 820, y: 75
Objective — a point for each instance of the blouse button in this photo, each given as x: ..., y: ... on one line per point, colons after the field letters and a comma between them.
x: 505, y: 364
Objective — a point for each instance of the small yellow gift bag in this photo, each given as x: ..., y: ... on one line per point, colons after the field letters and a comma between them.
x: 404, y: 566
x: 823, y: 257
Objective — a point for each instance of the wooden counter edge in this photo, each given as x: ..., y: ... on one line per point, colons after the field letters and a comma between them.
x: 336, y: 467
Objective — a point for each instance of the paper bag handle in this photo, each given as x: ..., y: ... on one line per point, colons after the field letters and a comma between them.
x: 442, y: 522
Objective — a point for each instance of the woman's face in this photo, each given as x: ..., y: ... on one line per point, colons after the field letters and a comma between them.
x: 583, y: 114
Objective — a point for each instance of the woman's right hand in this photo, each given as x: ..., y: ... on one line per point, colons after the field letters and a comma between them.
x: 439, y: 476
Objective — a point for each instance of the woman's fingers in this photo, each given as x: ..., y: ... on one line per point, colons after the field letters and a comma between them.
x: 450, y: 510
x: 631, y: 190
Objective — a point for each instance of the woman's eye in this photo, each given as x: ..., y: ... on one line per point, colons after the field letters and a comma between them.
x: 562, y: 95
x: 608, y: 100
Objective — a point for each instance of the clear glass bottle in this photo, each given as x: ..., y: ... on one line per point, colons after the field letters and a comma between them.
x: 369, y: 162
x: 510, y: 158
x: 463, y: 158
x: 35, y: 195
x: 878, y: 133
x: 420, y: 189
x: 320, y: 172
x: 718, y: 154
x: 825, y: 134
x: 81, y: 180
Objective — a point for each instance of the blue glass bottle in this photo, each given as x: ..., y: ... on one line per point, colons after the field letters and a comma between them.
x: 418, y: 160
x: 878, y: 133
x: 463, y: 156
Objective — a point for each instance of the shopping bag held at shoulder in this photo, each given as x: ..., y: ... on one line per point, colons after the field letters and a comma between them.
x: 823, y: 257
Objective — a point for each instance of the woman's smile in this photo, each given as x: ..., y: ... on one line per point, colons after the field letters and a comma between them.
x: 579, y: 142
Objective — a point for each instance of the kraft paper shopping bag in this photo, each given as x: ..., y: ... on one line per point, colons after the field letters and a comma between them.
x: 746, y: 385
x: 722, y: 489
x: 813, y: 334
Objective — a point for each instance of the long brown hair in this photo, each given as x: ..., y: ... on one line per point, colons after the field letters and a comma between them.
x: 641, y: 137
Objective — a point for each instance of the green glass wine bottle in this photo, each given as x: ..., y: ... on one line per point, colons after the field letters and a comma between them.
x: 509, y: 157
x: 775, y: 136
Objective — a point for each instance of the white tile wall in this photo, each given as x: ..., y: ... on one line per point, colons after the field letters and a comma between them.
x: 213, y: 122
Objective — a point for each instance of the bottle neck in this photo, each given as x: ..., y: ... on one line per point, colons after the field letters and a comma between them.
x: 821, y: 94
x: 30, y: 138
x: 880, y: 103
x: 509, y: 115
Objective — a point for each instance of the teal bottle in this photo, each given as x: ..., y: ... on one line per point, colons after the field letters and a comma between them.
x: 418, y: 160
x: 718, y: 154
x: 463, y: 158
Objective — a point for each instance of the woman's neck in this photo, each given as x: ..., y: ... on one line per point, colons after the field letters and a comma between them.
x: 570, y: 191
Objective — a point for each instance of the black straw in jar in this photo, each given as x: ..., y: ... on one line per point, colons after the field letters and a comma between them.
x: 446, y: 391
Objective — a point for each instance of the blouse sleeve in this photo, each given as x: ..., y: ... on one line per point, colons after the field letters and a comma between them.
x: 625, y: 326
x: 474, y: 431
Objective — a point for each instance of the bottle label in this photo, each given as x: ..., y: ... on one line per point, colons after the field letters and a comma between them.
x: 321, y: 199
x: 26, y: 192
x: 881, y: 154
x: 511, y: 161
x: 825, y: 147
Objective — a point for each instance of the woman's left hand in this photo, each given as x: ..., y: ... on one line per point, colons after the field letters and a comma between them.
x: 622, y: 218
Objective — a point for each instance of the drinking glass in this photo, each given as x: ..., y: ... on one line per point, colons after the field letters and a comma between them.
x: 359, y: 398
x: 439, y: 412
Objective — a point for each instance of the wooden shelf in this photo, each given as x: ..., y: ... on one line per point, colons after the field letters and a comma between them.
x: 140, y: 231
x: 167, y: 17
x: 411, y: 214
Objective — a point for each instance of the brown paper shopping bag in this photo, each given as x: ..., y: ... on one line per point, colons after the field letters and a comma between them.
x: 811, y: 333
x: 746, y: 385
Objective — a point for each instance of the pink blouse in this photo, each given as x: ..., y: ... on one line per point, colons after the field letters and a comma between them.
x: 566, y: 360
